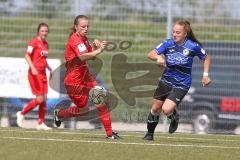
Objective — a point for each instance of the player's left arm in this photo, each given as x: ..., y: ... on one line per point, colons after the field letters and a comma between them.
x: 206, y: 67
x: 50, y: 70
x: 201, y: 53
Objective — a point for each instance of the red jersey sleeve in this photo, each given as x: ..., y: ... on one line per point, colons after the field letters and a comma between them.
x: 80, y: 48
x: 30, y: 47
x: 77, y: 45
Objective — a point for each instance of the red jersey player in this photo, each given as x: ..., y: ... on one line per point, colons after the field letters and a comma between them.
x: 78, y: 80
x: 35, y: 56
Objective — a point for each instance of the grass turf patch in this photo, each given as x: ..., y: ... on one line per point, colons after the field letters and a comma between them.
x: 25, y: 144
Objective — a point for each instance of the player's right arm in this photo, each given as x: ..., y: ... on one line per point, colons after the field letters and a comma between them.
x: 29, y: 60
x: 93, y: 54
x: 158, y: 54
x: 160, y: 60
x: 96, y: 44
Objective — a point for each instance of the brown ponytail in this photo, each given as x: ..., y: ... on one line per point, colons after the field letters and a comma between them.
x: 187, y: 27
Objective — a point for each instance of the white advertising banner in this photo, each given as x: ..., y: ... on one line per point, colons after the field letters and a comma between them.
x: 14, y: 78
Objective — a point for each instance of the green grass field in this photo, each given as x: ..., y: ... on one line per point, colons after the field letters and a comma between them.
x: 26, y: 144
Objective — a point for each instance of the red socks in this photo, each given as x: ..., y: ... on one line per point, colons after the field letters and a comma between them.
x: 105, y: 119
x: 76, y: 111
x: 73, y: 111
x: 31, y: 105
x: 42, y: 112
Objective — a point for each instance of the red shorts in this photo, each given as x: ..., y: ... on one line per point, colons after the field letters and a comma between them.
x: 78, y: 92
x: 38, y: 83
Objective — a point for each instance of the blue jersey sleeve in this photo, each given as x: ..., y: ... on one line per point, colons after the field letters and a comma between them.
x: 161, y: 48
x: 200, y: 52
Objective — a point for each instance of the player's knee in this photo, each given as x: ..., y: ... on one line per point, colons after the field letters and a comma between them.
x: 83, y: 110
x: 155, y: 110
x: 167, y: 111
x: 40, y: 99
x: 156, y: 107
x: 99, y: 106
x: 81, y: 104
x: 43, y: 108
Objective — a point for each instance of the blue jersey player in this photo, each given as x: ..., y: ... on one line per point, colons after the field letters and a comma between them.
x: 176, y: 55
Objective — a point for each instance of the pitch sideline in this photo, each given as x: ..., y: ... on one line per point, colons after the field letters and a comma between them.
x: 122, y: 135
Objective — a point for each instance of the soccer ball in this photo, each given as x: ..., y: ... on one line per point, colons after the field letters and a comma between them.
x: 98, y: 95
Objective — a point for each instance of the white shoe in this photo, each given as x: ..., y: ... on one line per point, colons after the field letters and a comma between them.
x: 20, y: 118
x: 43, y: 127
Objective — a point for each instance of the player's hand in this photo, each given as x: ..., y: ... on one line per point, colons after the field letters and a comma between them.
x: 34, y: 71
x: 103, y: 45
x: 50, y: 74
x: 161, y: 61
x: 96, y: 43
x: 206, y: 81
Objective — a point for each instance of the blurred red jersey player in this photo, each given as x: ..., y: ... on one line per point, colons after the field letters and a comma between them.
x: 78, y: 79
x: 35, y: 56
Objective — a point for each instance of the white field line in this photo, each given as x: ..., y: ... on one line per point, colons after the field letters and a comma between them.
x: 120, y: 143
x: 137, y: 135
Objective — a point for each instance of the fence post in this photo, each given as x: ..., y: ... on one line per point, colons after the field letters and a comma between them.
x: 169, y: 32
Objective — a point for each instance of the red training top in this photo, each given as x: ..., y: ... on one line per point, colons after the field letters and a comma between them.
x: 38, y: 50
x: 76, y: 69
